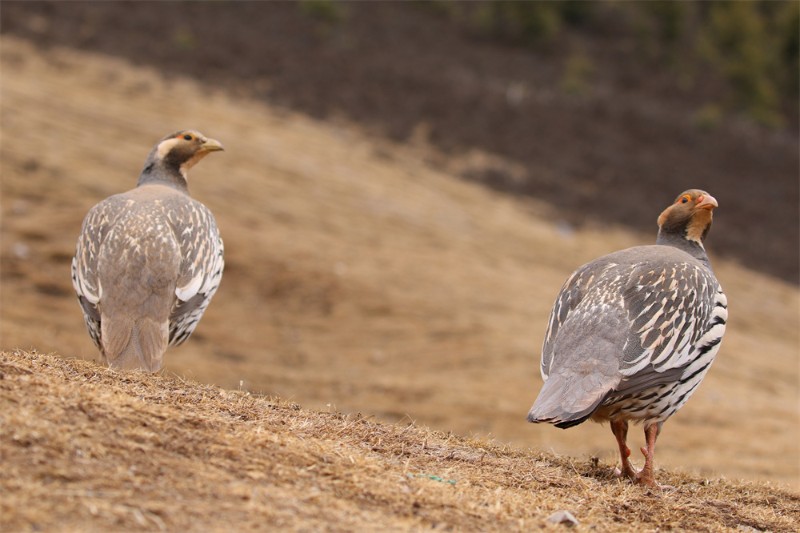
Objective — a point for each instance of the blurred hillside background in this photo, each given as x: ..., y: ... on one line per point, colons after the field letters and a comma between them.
x: 592, y: 101
x: 406, y: 185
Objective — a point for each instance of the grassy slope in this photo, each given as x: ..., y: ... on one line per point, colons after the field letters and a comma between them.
x: 85, y: 448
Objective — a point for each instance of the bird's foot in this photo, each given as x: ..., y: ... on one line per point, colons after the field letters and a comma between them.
x: 627, y: 471
x: 646, y: 479
x: 641, y: 477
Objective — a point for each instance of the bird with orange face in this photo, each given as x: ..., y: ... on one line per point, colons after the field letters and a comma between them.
x: 632, y: 334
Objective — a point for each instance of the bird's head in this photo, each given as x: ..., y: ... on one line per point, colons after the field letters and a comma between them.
x: 183, y: 149
x: 689, y: 216
x: 173, y: 156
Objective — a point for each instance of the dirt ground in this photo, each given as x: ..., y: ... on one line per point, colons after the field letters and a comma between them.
x: 359, y: 277
x: 90, y: 449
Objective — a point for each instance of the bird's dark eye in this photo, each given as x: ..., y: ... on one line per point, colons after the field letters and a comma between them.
x: 685, y: 198
x: 187, y: 137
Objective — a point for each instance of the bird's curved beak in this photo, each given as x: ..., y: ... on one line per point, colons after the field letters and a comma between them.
x: 707, y: 202
x: 211, y: 145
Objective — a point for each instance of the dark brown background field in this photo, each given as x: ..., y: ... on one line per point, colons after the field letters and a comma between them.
x: 408, y: 72
x: 363, y: 272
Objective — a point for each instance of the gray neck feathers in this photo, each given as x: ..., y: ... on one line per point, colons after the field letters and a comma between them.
x: 163, y: 172
x: 693, y: 248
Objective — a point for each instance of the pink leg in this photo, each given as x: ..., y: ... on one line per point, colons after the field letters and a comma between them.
x: 620, y: 430
x: 646, y: 476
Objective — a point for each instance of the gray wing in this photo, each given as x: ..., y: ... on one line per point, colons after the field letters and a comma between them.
x: 94, y: 230
x: 569, y: 297
x: 618, y: 329
x: 584, y: 339
x: 201, y: 268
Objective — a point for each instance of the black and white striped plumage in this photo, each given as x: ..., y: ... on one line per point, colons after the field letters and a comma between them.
x: 148, y: 261
x: 633, y: 333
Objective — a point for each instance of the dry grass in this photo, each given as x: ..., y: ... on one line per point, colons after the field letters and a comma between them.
x: 86, y: 448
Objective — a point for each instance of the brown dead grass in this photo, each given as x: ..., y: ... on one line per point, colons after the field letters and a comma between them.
x: 86, y: 448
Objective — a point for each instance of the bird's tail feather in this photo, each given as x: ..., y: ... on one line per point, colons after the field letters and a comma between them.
x: 134, y: 344
x: 554, y: 406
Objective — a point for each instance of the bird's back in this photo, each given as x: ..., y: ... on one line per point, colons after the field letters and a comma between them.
x: 137, y: 251
x: 149, y: 260
x: 623, y: 325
